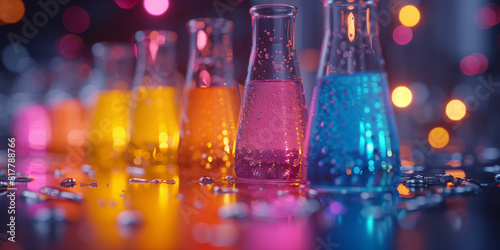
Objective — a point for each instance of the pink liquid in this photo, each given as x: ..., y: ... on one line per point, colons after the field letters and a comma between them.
x: 271, y: 131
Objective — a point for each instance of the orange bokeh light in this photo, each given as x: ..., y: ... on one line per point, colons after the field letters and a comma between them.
x: 457, y: 173
x: 11, y: 11
x: 409, y: 16
x: 439, y: 137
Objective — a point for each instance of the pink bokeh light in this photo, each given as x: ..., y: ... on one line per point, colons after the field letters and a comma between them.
x: 201, y: 40
x: 70, y: 46
x: 483, y: 62
x: 126, y: 4
x: 156, y: 7
x: 486, y: 17
x: 76, y: 19
x: 469, y: 65
x: 402, y: 35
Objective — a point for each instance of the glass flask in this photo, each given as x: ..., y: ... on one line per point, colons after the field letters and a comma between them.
x: 30, y: 119
x: 154, y: 101
x: 352, y: 142
x: 113, y: 74
x: 66, y: 112
x: 273, y: 114
x: 210, y: 100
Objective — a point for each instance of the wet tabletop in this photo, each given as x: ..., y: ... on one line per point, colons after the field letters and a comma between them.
x: 111, y: 205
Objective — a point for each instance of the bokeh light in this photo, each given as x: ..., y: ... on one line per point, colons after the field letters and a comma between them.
x: 402, y: 35
x: 201, y: 40
x: 76, y: 19
x: 457, y: 173
x: 16, y: 58
x: 409, y: 16
x: 156, y: 7
x: 455, y: 110
x: 470, y: 65
x: 70, y: 46
x: 11, y: 11
x: 486, y: 17
x: 439, y: 137
x: 309, y: 59
x: 483, y: 62
x: 401, y: 96
x: 126, y: 4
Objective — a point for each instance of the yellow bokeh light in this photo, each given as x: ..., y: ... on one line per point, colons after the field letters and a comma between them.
x: 457, y: 173
x: 439, y: 137
x: 409, y: 16
x: 455, y: 110
x: 401, y: 96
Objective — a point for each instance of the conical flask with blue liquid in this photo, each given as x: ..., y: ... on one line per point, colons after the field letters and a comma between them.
x: 352, y: 142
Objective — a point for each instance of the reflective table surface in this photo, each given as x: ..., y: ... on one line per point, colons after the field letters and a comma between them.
x: 111, y: 205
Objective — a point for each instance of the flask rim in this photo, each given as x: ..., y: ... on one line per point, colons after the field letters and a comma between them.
x: 144, y: 35
x: 346, y: 3
x: 273, y: 10
x: 103, y: 49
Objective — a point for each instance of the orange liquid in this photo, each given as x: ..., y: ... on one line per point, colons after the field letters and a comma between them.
x: 155, y: 126
x: 110, y: 123
x: 209, y: 126
x: 67, y: 122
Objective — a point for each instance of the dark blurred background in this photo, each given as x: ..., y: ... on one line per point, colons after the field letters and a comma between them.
x: 450, y: 50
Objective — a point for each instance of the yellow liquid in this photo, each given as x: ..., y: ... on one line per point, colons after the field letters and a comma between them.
x: 110, y: 125
x: 209, y: 126
x: 155, y: 129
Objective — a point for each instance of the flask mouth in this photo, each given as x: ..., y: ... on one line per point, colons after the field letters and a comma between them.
x: 222, y: 24
x: 273, y: 10
x: 350, y: 2
x: 161, y: 36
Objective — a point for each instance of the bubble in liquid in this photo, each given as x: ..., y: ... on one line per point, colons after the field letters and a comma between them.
x: 497, y: 177
x: 206, y: 180
x: 68, y: 183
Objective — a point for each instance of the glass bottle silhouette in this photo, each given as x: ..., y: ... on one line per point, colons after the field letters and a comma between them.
x: 112, y: 74
x: 66, y: 112
x: 352, y: 142
x: 273, y: 114
x: 210, y: 100
x: 154, y: 129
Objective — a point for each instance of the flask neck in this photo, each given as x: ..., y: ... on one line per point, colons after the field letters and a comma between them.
x: 350, y: 39
x: 155, y: 58
x: 211, y: 53
x: 114, y: 65
x: 273, y: 55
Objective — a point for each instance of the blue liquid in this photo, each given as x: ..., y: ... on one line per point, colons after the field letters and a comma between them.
x: 352, y: 140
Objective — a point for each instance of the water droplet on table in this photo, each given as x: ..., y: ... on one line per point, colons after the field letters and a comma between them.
x: 130, y: 218
x: 225, y: 190
x: 170, y: 181
x: 137, y: 181
x: 23, y: 179
x: 68, y: 183
x: 156, y: 181
x: 206, y: 180
x: 93, y: 184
